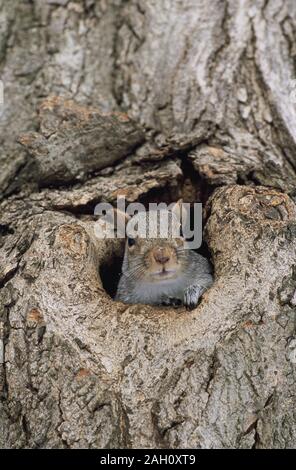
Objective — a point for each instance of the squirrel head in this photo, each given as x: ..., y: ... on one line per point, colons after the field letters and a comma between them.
x: 155, y: 248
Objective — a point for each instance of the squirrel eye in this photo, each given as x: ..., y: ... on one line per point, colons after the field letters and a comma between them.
x: 131, y: 241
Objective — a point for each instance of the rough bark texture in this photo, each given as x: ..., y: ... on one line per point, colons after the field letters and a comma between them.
x: 153, y: 100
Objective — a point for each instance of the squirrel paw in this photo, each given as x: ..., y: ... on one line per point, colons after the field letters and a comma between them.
x: 171, y: 302
x: 191, y: 296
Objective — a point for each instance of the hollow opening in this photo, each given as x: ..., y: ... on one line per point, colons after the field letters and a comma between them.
x: 110, y: 272
x: 191, y: 189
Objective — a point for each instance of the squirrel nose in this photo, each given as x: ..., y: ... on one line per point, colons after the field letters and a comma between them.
x: 161, y: 256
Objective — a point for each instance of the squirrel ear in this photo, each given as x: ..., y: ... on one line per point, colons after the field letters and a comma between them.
x: 122, y: 217
x: 176, y: 207
x: 180, y: 211
x: 118, y: 219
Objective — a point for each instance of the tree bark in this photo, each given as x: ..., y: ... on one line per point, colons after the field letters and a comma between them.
x: 153, y: 100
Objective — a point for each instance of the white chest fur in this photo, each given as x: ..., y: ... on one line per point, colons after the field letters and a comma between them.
x: 154, y: 293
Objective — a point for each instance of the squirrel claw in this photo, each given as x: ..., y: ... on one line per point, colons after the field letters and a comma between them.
x: 171, y: 302
x: 191, y: 297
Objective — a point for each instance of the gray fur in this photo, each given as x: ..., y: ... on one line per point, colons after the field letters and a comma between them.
x: 186, y: 288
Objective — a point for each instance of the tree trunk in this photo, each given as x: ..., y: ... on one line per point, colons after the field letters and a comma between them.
x: 154, y: 100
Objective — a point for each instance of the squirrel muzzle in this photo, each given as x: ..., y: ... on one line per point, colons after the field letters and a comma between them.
x: 161, y: 255
x: 162, y: 262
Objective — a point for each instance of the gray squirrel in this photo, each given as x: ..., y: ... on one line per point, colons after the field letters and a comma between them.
x: 162, y: 271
